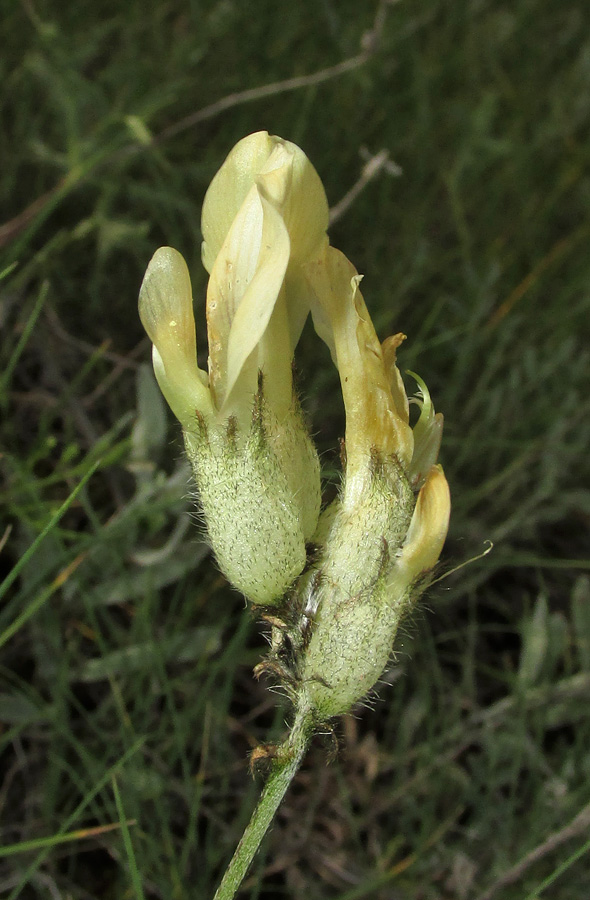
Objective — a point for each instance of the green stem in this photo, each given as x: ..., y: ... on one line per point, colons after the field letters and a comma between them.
x: 289, y: 757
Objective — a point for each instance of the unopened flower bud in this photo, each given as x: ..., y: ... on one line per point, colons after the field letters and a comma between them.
x: 266, y: 250
x: 377, y: 542
x: 256, y: 469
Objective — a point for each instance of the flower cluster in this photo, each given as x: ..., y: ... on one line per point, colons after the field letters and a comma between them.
x: 335, y: 583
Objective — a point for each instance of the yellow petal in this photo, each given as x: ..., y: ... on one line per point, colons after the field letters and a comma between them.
x: 398, y: 391
x: 372, y: 420
x: 428, y: 528
x: 290, y: 181
x: 242, y: 296
x: 301, y: 198
x: 264, y: 213
x: 229, y: 189
x: 166, y: 312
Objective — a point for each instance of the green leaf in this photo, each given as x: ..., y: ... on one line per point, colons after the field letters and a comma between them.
x: 149, y: 430
x: 180, y: 648
x: 535, y: 641
x: 581, y: 619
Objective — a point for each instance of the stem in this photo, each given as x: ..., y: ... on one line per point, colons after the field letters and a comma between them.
x: 289, y: 757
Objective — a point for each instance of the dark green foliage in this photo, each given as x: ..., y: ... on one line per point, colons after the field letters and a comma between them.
x: 125, y: 654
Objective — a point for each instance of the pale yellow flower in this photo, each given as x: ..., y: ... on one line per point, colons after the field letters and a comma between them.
x: 378, y: 540
x: 264, y: 218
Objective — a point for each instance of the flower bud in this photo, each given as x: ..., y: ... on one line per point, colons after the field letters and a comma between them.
x: 367, y: 579
x: 257, y: 471
x: 265, y: 247
x: 377, y: 542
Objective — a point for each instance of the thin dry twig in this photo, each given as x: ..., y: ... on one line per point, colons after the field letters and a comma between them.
x: 5, y: 537
x: 9, y: 230
x: 373, y: 166
x: 579, y: 824
x: 370, y: 42
x: 250, y: 94
x: 57, y: 327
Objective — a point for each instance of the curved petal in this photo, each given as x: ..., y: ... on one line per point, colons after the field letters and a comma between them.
x: 428, y: 528
x: 372, y: 421
x: 166, y: 312
x: 229, y: 189
x: 289, y: 180
x: 243, y: 291
x: 396, y: 383
x: 301, y: 198
x: 264, y: 214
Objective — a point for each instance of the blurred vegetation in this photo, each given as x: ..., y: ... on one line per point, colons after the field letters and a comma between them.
x: 127, y: 702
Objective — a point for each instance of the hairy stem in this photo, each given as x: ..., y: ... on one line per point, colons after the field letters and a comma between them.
x: 289, y: 757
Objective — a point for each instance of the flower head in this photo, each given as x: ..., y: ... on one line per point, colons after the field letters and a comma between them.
x: 264, y: 217
x: 379, y: 541
x: 265, y: 247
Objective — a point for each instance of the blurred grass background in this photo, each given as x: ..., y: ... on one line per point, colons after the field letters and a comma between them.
x: 127, y: 702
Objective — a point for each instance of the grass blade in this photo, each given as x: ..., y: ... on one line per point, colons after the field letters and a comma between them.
x: 29, y: 553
